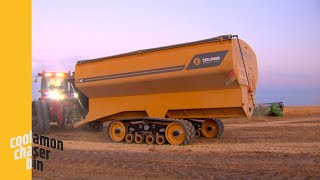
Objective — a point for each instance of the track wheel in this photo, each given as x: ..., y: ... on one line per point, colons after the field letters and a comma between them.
x: 212, y: 128
x: 139, y: 138
x: 117, y: 131
x: 160, y: 139
x: 150, y: 139
x: 198, y: 134
x: 129, y: 138
x: 175, y: 133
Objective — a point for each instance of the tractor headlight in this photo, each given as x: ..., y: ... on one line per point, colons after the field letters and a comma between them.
x: 75, y: 95
x: 55, y: 94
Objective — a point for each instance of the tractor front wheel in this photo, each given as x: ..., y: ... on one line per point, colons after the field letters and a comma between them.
x: 40, y: 117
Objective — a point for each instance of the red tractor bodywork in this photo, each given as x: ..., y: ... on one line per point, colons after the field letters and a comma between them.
x: 62, y: 100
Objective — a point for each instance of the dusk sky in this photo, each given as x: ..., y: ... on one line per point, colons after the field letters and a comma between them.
x: 285, y: 36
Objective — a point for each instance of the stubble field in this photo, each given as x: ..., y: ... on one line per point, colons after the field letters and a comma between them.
x: 259, y: 148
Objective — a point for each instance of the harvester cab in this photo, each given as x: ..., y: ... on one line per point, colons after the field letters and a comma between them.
x: 59, y: 102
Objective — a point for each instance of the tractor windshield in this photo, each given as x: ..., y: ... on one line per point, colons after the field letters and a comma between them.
x: 52, y: 83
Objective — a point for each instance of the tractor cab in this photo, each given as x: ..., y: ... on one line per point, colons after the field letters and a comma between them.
x: 55, y: 86
x: 59, y: 102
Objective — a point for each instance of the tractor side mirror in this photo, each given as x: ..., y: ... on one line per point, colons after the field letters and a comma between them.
x: 35, y: 79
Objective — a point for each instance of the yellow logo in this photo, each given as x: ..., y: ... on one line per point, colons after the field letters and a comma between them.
x: 197, y: 61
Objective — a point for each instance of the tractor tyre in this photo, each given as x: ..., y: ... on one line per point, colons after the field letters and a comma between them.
x: 35, y: 125
x: 41, y: 122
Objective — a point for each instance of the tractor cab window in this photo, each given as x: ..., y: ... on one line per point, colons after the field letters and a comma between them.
x: 57, y: 83
x: 54, y: 83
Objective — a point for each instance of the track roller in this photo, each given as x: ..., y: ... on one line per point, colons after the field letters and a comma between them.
x: 117, y: 131
x: 151, y: 130
x: 139, y: 138
x: 150, y: 139
x: 212, y: 128
x: 198, y: 134
x: 160, y: 139
x: 129, y: 138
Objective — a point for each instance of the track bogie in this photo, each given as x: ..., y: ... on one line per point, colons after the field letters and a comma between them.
x: 161, y: 131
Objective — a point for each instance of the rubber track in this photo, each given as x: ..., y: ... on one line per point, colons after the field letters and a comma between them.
x: 187, y: 125
x: 220, y: 127
x: 190, y: 131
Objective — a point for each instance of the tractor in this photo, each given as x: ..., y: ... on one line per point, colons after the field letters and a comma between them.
x: 59, y: 103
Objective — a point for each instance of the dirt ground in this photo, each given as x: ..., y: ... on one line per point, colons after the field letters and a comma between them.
x: 260, y: 148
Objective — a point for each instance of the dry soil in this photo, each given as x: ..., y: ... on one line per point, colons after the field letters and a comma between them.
x: 260, y: 148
